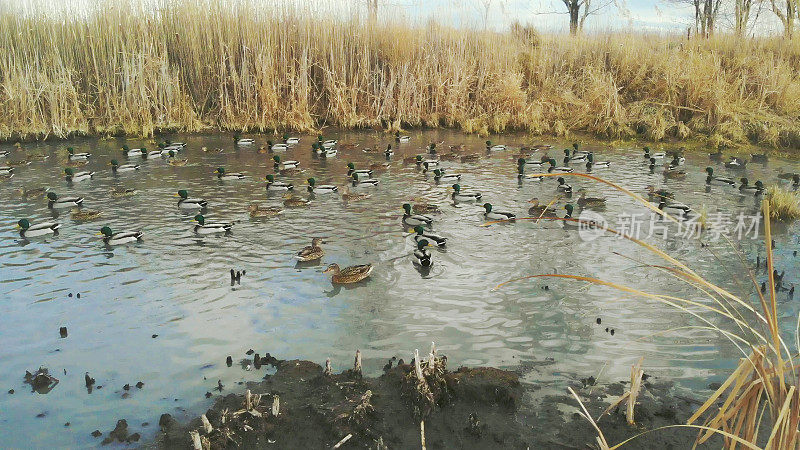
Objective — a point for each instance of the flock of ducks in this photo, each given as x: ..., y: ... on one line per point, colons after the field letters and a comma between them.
x: 417, y: 217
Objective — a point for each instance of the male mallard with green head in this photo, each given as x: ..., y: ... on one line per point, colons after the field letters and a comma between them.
x: 273, y: 185
x: 203, y: 227
x: 186, y: 202
x: 117, y: 168
x: 225, y: 176
x: 433, y: 238
x: 415, y: 219
x: 75, y: 177
x: 40, y: 229
x: 313, y: 187
x: 491, y: 214
x: 123, y: 237
x: 459, y: 196
x: 54, y: 201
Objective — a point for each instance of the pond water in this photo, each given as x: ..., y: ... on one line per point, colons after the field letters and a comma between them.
x: 175, y: 283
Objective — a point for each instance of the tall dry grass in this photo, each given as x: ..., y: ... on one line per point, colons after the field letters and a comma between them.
x: 123, y: 67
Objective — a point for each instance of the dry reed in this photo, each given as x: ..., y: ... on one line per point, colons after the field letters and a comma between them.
x: 123, y: 67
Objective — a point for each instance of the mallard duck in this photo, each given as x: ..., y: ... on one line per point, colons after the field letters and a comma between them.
x: 440, y: 177
x: 6, y: 171
x: 117, y: 168
x: 292, y: 201
x: 237, y: 140
x: 563, y: 186
x: 759, y: 158
x: 85, y: 215
x: 363, y: 181
x: 587, y: 202
x: 716, y: 156
x: 77, y: 163
x: 470, y: 158
x: 173, y: 161
x: 39, y: 229
x: 123, y: 237
x: 736, y: 164
x: 32, y: 192
x: 459, y: 196
x: 496, y: 215
x: 76, y: 177
x: 574, y: 157
x: 4, y: 153
x: 554, y: 168
x: 745, y: 187
x: 122, y: 192
x: 426, y: 167
x: 326, y: 143
x: 786, y: 175
x: 324, y: 152
x: 521, y: 173
x: 77, y: 156
x: 656, y: 155
x: 273, y: 185
x: 169, y: 145
x: 222, y: 175
x: 719, y: 181
x: 494, y: 148
x: 353, y: 196
x: 290, y: 140
x: 131, y: 152
x: 450, y: 156
x: 352, y: 274
x: 278, y: 164
x: 421, y: 234
x: 422, y: 256
x: 379, y: 166
x: 431, y: 162
x: 537, y: 210
x: 795, y: 181
x: 203, y: 227
x: 674, y: 207
x: 571, y: 223
x: 426, y: 208
x: 541, y: 147
x: 190, y: 203
x: 591, y: 163
x: 674, y: 172
x: 431, y: 148
x: 676, y: 161
x: 322, y: 188
x: 311, y: 252
x: 157, y: 153
x: 351, y: 171
x: 415, y: 219
x: 535, y: 163
x: 652, y: 166
x: 277, y: 147
x: 401, y: 138
x: 654, y: 194
x: 576, y: 149
x: 388, y: 152
x: 261, y: 211
x: 54, y: 201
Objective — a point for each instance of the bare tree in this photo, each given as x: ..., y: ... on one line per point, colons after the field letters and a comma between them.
x: 706, y: 13
x: 579, y: 10
x: 372, y: 8
x: 787, y: 12
x: 741, y: 15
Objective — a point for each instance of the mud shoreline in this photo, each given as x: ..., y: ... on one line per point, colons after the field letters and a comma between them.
x: 476, y: 408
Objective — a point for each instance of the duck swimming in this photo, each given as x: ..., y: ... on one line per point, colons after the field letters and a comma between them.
x: 652, y: 193
x: 591, y: 163
x: 290, y: 140
x: 656, y: 155
x: 352, y: 274
x: 388, y: 152
x: 354, y: 196
x: 351, y: 171
x: 538, y: 210
x: 430, y: 162
x: 277, y: 147
x: 63, y: 202
x: 131, y: 152
x: 745, y: 187
x: 736, y: 163
x: 321, y: 189
x: 674, y: 208
x: 401, y: 138
x: 39, y: 229
x: 122, y: 192
x: 293, y: 201
x: 422, y: 256
x: 494, y: 148
x: 312, y: 252
x: 719, y: 181
x: 85, y: 215
x: 459, y: 196
x: 77, y: 156
x: 588, y: 202
x: 273, y: 185
x: 123, y: 237
x: 439, y: 176
x: 553, y: 167
x: 117, y: 168
x: 496, y: 215
x: 173, y: 161
x: 563, y: 186
x: 203, y: 227
x: 521, y: 173
x: 237, y: 140
x: 574, y: 157
x: 261, y: 211
x: 415, y: 219
x: 282, y: 165
x: 422, y: 234
x: 222, y: 175
x: 364, y: 182
x: 759, y: 158
x: 76, y: 177
x: 190, y: 203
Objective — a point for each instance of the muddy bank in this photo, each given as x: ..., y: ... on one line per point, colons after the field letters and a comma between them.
x: 303, y: 406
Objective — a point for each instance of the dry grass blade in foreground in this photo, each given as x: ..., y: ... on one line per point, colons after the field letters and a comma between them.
x: 763, y: 388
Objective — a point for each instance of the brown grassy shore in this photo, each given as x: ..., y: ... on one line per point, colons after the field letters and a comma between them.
x: 238, y: 65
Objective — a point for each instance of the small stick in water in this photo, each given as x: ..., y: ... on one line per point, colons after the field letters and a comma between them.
x: 422, y: 433
x: 276, y: 405
x: 357, y: 363
x: 248, y: 401
x: 196, y: 443
x: 432, y: 358
x: 344, y: 439
x: 417, y: 367
x: 206, y: 424
x: 328, y: 369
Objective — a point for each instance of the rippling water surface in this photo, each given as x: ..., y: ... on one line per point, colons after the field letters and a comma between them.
x: 175, y: 284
